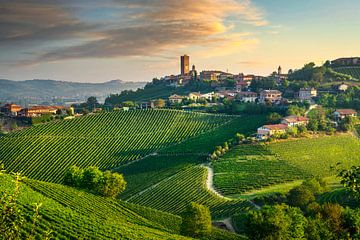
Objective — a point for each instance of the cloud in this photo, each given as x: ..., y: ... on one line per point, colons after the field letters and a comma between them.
x: 136, y: 28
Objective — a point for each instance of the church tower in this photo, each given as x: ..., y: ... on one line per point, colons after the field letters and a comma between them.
x: 279, y: 70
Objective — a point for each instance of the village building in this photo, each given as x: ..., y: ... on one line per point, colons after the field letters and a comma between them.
x: 293, y: 120
x: 270, y: 96
x: 11, y: 109
x: 269, y: 130
x: 351, y: 61
x: 279, y: 76
x: 194, y: 96
x: 247, y: 96
x: 176, y: 99
x: 343, y: 113
x: 208, y: 96
x: 306, y: 94
x: 212, y: 75
x: 38, y: 111
x: 146, y: 105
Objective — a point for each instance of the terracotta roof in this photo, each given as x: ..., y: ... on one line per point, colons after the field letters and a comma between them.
x: 276, y: 126
x: 294, y: 118
x: 346, y: 111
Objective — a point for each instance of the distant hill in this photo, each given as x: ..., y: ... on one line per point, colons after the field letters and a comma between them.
x: 48, y: 89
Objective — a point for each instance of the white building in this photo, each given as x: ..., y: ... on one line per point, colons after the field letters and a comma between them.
x: 307, y: 93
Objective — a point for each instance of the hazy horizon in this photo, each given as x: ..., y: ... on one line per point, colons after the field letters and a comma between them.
x: 94, y: 41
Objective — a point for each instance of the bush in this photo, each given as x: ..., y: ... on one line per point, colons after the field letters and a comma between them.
x: 196, y: 221
x: 106, y: 183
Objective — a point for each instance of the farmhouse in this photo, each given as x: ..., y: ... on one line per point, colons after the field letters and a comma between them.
x: 269, y: 130
x: 343, y: 113
x: 175, y: 98
x: 247, y: 96
x: 293, y: 120
x: 270, y: 96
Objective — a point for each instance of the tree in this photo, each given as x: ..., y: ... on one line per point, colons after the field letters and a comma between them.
x: 106, y: 183
x: 73, y: 176
x: 113, y: 184
x: 92, y: 103
x: 92, y: 177
x: 196, y: 221
x: 300, y: 196
x: 274, y: 117
x: 128, y: 104
x: 276, y: 222
x: 350, y: 178
x: 240, y: 137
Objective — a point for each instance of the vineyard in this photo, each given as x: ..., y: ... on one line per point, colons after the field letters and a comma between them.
x: 251, y: 167
x: 316, y: 156
x: 72, y: 214
x: 352, y: 71
x: 107, y: 140
x: 175, y: 192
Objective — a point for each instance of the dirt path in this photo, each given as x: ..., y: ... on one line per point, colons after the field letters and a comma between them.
x: 210, y: 181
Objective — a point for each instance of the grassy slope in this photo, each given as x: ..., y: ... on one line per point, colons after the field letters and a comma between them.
x: 106, y: 140
x: 249, y: 168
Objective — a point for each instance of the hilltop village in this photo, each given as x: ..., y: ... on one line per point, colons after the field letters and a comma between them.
x: 287, y: 98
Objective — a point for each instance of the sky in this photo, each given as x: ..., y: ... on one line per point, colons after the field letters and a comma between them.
x: 137, y: 40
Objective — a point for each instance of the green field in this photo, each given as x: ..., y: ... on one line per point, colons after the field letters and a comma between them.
x: 107, y: 140
x: 252, y: 167
x: 352, y: 71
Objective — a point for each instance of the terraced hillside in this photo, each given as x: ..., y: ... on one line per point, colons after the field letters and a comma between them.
x: 106, y: 140
x: 352, y: 71
x: 251, y: 167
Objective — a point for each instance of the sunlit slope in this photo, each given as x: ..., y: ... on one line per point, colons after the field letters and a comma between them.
x: 106, y: 140
x: 251, y: 167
